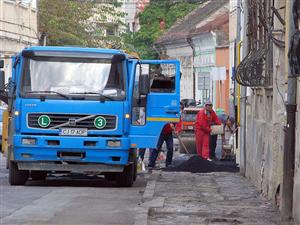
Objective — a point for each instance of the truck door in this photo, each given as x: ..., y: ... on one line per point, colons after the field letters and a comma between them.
x: 152, y: 109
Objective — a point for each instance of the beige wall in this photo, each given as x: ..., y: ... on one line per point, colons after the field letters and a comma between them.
x: 18, y: 26
x: 18, y: 29
x: 232, y: 25
x: 266, y: 118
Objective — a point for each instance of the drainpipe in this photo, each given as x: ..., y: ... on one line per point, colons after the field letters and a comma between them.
x: 190, y: 42
x: 241, y: 91
x: 243, y: 100
x: 286, y: 203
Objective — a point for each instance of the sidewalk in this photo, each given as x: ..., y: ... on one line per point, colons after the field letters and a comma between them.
x: 208, y: 199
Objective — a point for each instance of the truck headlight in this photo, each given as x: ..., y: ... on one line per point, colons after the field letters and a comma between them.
x: 28, y: 141
x: 114, y: 143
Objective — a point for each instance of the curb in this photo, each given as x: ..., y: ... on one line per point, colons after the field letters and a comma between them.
x: 148, y: 201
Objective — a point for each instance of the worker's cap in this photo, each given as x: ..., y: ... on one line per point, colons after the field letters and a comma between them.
x: 208, y: 102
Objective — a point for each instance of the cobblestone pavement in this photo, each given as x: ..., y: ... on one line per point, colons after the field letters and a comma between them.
x: 209, y: 199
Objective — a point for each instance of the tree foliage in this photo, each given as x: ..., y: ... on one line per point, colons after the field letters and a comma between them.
x: 78, y: 22
x: 168, y: 11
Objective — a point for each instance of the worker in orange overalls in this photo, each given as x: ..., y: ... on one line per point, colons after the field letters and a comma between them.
x: 205, y: 118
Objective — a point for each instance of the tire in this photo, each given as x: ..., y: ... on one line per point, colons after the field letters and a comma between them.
x: 110, y: 176
x: 16, y: 176
x: 126, y: 178
x: 135, y: 169
x: 38, y: 175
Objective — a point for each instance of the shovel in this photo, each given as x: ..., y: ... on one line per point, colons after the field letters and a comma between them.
x: 181, y: 142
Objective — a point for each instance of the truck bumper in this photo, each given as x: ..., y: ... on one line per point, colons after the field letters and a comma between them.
x: 71, y: 149
x: 75, y: 168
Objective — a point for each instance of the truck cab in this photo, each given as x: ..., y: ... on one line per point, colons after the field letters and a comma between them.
x: 75, y: 109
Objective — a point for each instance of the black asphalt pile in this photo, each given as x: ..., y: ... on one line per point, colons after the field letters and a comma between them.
x: 196, y: 164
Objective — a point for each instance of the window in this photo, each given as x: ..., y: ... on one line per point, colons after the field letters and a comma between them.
x: 162, y: 78
x: 110, y: 31
x: 73, y: 76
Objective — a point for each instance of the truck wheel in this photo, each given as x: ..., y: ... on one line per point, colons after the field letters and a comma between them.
x: 16, y: 176
x: 110, y: 176
x: 125, y: 179
x: 135, y: 169
x: 38, y: 175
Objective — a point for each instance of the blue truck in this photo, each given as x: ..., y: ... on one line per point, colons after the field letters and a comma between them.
x: 85, y: 110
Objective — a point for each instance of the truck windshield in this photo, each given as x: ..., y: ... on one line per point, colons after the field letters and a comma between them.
x: 58, y: 77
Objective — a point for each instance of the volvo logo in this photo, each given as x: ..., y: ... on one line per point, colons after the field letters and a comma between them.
x: 72, y: 122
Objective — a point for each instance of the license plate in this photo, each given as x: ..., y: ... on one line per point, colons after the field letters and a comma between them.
x: 73, y: 132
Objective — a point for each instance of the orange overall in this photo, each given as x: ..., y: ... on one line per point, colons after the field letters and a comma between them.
x: 204, y: 120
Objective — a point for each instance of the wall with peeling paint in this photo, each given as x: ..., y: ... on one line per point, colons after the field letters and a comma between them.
x: 266, y: 118
x: 264, y: 143
x: 265, y: 122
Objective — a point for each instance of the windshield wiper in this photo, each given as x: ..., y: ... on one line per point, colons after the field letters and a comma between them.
x: 48, y: 92
x: 102, y: 96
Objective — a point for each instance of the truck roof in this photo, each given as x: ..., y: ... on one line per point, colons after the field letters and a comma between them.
x: 75, y: 49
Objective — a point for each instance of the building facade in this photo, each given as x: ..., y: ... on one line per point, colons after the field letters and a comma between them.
x: 263, y: 113
x: 222, y: 85
x: 129, y: 20
x: 208, y: 39
x: 18, y: 29
x: 204, y: 61
x: 193, y: 41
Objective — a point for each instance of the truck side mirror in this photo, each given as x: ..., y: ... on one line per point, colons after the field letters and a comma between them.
x: 144, y: 84
x: 2, y: 81
x: 1, y: 63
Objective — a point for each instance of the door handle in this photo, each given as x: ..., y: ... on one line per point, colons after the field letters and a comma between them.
x: 171, y: 109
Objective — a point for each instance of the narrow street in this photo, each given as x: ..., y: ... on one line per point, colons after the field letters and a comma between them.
x: 157, y: 198
x: 67, y: 200
x: 210, y: 199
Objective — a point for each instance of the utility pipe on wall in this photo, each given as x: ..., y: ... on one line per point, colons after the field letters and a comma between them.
x: 286, y: 203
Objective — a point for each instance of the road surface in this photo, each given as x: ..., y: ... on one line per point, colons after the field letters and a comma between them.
x: 61, y: 200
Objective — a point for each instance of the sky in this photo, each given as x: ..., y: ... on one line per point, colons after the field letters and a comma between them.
x: 28, y: 1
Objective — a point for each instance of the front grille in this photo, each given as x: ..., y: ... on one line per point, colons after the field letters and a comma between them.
x: 58, y: 119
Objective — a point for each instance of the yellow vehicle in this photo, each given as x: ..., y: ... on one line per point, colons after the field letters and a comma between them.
x: 5, y: 119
